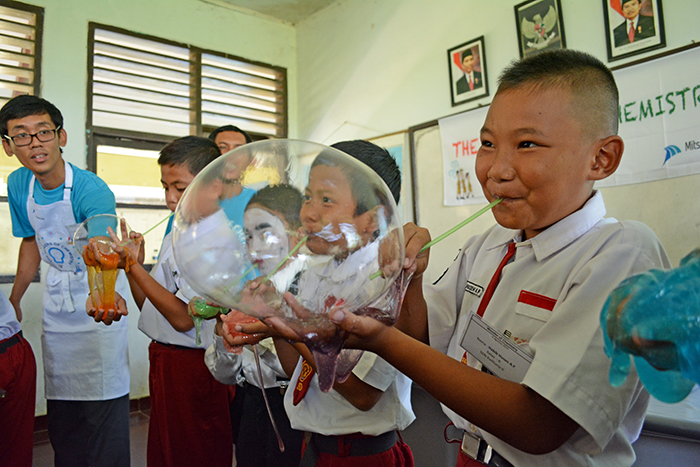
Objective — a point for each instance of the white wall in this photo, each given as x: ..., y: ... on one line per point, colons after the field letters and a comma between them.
x: 64, y: 83
x: 371, y: 67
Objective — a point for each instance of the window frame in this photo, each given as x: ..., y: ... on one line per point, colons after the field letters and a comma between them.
x: 94, y: 133
x: 38, y: 12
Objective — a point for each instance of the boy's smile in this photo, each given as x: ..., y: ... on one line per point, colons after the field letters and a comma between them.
x: 535, y: 155
x: 41, y: 158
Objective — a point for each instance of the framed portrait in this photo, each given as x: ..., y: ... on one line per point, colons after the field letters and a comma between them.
x: 540, y: 26
x: 633, y: 27
x: 468, y: 74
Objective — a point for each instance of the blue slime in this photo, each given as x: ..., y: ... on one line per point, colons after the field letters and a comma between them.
x: 653, y: 319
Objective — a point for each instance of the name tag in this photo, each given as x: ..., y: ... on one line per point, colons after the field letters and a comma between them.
x: 500, y: 355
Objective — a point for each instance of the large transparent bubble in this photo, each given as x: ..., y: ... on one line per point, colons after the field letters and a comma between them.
x: 653, y: 318
x: 294, y: 230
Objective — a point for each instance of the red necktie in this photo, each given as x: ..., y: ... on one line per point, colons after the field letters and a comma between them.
x: 302, y: 386
x: 494, y: 280
x: 471, y: 83
x: 631, y: 33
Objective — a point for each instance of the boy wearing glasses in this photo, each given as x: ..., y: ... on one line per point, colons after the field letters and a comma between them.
x: 85, y: 365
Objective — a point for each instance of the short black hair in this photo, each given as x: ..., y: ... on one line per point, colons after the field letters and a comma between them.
x: 284, y: 199
x: 378, y: 159
x: 591, y: 83
x: 194, y: 152
x: 26, y: 105
x: 221, y: 129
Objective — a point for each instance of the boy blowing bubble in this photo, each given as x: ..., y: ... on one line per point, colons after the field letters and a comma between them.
x: 537, y: 392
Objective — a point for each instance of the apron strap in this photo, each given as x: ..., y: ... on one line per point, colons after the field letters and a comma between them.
x: 67, y: 184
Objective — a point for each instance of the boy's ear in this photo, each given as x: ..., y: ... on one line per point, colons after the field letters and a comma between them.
x: 367, y: 222
x: 607, y: 158
x: 8, y: 149
x: 62, y: 137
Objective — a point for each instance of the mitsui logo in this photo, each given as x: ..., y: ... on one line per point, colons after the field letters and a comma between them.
x: 671, y: 151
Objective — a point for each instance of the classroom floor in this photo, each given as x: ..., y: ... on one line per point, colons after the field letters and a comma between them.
x: 138, y: 430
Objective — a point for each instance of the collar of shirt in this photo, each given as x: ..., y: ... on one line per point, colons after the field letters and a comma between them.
x: 558, y: 235
x: 569, y: 229
x: 633, y: 22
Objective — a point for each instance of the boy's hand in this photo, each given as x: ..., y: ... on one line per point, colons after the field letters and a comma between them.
x: 651, y: 349
x: 256, y: 296
x: 235, y: 339
x: 130, y: 251
x: 415, y: 238
x: 110, y: 315
x: 198, y: 307
x: 321, y: 329
x: 365, y: 332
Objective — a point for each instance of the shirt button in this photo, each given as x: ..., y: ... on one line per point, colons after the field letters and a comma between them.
x: 472, y: 427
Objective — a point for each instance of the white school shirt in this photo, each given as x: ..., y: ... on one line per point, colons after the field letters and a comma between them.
x: 331, y: 414
x: 578, y: 261
x: 153, y: 323
x: 230, y: 368
x: 9, y: 326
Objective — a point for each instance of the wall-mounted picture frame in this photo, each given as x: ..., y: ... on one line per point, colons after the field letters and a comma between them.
x: 540, y: 26
x: 633, y: 27
x: 468, y: 73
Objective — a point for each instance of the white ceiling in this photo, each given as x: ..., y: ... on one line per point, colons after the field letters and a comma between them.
x: 290, y: 11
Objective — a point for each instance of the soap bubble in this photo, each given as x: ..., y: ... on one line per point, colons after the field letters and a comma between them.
x: 282, y: 221
x: 94, y: 245
x: 653, y: 318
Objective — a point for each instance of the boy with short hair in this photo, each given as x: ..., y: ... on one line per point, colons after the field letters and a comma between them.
x: 357, y: 423
x: 86, y: 367
x: 517, y: 353
x: 189, y: 421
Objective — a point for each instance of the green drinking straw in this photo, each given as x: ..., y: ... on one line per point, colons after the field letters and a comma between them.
x: 147, y: 231
x: 241, y: 278
x: 451, y: 231
x: 294, y: 250
x: 460, y: 225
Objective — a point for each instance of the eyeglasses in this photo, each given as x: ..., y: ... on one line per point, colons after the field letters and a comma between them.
x: 25, y: 139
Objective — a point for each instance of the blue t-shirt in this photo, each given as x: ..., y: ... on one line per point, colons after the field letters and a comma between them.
x: 90, y: 196
x: 235, y: 208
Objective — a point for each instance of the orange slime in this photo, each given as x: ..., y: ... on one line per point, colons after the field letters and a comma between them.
x: 102, y: 263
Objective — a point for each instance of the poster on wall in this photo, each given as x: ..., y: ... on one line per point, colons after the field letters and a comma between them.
x: 540, y: 26
x: 659, y: 123
x: 468, y: 74
x: 633, y: 27
x: 460, y: 142
x: 659, y: 118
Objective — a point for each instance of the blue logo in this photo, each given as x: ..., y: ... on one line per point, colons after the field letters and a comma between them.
x: 671, y: 151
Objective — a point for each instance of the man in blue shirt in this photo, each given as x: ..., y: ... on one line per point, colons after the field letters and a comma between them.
x: 85, y: 364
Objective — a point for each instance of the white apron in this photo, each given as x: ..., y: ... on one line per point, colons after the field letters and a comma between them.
x: 83, y: 360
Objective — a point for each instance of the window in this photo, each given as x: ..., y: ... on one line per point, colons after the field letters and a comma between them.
x: 20, y: 54
x: 20, y: 60
x: 144, y: 91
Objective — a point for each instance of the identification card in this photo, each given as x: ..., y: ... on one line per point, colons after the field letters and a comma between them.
x: 500, y: 355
